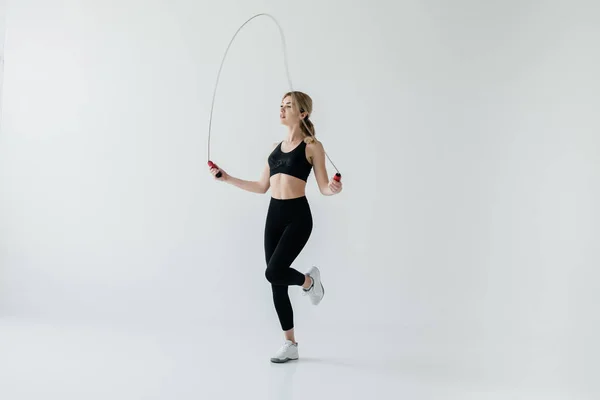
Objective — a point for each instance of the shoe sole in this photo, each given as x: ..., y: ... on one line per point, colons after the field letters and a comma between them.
x: 281, y: 361
x: 318, y: 272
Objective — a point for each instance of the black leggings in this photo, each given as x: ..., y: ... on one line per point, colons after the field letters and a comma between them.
x: 287, y: 229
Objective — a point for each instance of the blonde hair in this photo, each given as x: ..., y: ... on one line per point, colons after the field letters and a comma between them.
x: 304, y: 104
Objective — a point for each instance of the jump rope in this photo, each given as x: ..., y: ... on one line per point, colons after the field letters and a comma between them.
x: 337, y: 176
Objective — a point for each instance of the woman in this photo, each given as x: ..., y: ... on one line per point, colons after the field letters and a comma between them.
x: 289, y: 220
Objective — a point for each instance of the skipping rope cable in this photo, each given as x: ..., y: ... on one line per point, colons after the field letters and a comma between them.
x: 337, y: 176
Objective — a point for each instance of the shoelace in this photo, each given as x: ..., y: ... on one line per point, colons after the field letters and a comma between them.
x: 284, y: 348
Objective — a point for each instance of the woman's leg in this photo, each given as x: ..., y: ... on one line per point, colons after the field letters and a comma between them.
x: 281, y: 275
x: 282, y: 247
x: 292, y: 241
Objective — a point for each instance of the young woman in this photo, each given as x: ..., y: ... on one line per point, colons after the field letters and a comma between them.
x: 289, y: 220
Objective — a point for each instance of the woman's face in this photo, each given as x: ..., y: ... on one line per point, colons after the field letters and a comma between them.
x: 287, y: 114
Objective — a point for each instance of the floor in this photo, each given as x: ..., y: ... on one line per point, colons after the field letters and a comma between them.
x: 51, y: 360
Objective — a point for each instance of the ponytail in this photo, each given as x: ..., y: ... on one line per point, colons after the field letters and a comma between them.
x: 308, y: 128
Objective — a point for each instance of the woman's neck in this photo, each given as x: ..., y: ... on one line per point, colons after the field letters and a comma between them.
x: 295, y: 135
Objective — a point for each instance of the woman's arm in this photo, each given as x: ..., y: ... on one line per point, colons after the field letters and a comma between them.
x: 327, y: 187
x: 260, y: 186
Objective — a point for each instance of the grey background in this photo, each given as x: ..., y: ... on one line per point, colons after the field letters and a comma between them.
x: 467, y: 134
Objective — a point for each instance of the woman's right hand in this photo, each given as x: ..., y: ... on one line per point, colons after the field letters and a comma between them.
x: 214, y: 170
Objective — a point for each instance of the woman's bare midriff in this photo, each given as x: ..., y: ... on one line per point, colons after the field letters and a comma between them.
x: 287, y: 187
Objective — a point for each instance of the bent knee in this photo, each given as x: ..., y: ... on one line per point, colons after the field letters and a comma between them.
x: 272, y: 275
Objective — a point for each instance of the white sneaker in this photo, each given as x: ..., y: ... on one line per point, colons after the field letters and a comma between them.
x: 317, y: 291
x: 287, y: 352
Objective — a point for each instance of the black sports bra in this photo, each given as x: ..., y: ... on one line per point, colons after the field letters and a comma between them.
x: 293, y: 163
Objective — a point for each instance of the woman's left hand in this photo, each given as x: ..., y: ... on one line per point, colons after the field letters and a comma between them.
x: 335, y: 186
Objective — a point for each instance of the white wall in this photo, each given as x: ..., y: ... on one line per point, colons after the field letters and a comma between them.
x: 467, y: 136
x: 2, y: 33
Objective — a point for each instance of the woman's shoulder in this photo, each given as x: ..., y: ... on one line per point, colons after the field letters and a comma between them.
x: 313, y: 143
